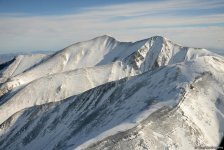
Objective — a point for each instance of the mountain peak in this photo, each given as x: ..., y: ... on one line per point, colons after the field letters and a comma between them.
x: 105, y: 37
x: 105, y: 94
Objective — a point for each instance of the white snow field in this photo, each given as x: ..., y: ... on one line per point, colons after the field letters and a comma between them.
x: 19, y: 64
x: 106, y: 94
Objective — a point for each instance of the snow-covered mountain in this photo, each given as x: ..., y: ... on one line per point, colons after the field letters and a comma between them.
x: 18, y: 65
x: 106, y: 94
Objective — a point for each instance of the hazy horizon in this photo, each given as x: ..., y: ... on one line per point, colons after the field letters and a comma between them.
x: 53, y: 25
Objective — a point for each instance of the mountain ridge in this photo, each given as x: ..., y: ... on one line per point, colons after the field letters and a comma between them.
x: 115, y: 91
x: 148, y: 54
x: 132, y: 83
x: 63, y: 58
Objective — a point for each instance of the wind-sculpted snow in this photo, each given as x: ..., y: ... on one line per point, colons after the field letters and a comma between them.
x: 141, y: 56
x: 99, y: 51
x: 196, y: 121
x: 169, y: 106
x: 159, y: 51
x: 162, y: 95
x: 60, y: 86
x: 18, y: 65
x: 48, y: 81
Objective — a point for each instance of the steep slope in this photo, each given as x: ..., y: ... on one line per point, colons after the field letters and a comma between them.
x: 197, y: 121
x: 141, y: 56
x: 52, y: 83
x: 60, y: 86
x: 98, y: 51
x: 19, y: 64
x: 6, y: 64
x: 158, y: 51
x: 6, y: 57
x: 179, y: 106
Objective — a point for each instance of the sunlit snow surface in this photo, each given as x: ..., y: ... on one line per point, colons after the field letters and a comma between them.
x: 106, y: 94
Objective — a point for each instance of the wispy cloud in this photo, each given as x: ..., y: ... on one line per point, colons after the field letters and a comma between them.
x: 131, y: 21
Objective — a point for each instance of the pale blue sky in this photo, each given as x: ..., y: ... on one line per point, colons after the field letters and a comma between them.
x: 54, y: 7
x: 29, y: 25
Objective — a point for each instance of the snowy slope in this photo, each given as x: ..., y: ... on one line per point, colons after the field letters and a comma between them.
x: 6, y: 57
x: 197, y: 120
x: 79, y: 55
x: 19, y: 64
x: 60, y: 86
x: 159, y: 51
x: 50, y: 75
x: 169, y: 106
x: 67, y: 100
x: 141, y: 56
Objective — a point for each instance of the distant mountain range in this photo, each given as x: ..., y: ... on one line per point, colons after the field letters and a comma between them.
x: 7, y: 57
x: 107, y: 94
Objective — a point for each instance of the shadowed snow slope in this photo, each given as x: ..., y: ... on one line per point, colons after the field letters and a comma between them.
x: 56, y: 77
x: 19, y: 64
x: 161, y: 95
x: 169, y: 106
x: 59, y: 86
x: 142, y: 56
